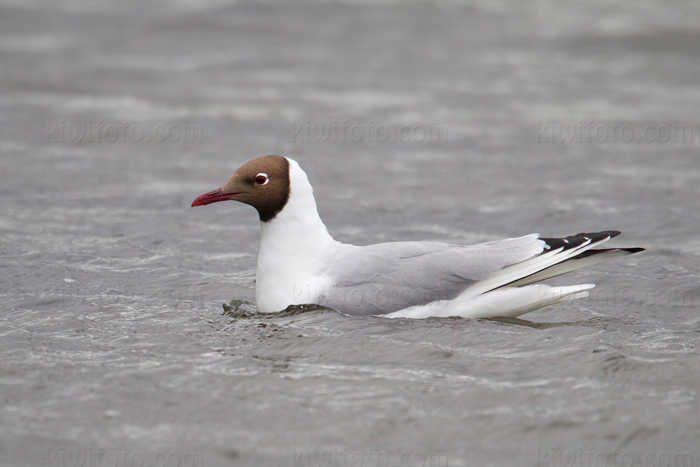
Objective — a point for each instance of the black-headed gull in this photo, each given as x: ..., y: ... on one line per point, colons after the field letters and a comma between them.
x: 300, y: 263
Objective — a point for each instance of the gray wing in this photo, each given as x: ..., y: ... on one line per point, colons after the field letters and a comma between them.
x: 388, y: 277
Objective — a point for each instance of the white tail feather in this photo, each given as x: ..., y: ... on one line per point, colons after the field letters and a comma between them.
x: 514, y: 301
x: 507, y: 302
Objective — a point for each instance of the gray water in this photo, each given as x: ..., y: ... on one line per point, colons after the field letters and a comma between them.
x: 546, y: 117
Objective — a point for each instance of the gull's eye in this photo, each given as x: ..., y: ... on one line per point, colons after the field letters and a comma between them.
x: 262, y: 179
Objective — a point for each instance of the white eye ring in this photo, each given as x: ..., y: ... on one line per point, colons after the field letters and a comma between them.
x: 262, y: 179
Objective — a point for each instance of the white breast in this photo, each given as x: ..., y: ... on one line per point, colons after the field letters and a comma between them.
x: 295, y: 248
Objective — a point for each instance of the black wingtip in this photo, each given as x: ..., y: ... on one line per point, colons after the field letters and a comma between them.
x: 598, y: 251
x: 573, y: 241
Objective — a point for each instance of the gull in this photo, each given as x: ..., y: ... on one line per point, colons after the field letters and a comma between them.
x: 300, y: 263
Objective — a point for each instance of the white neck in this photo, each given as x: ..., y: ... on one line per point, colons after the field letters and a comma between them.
x: 294, y: 247
x: 297, y: 226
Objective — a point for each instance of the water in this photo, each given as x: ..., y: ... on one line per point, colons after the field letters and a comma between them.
x: 115, y: 347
